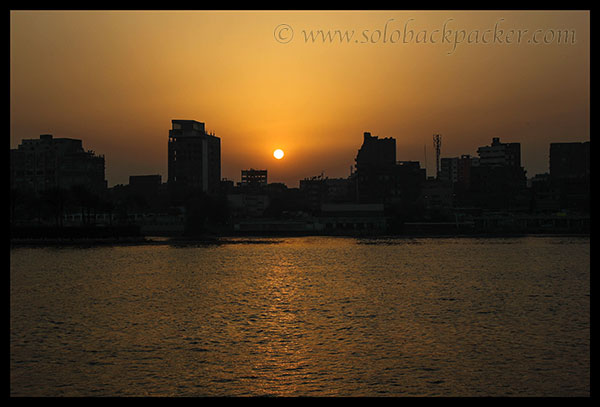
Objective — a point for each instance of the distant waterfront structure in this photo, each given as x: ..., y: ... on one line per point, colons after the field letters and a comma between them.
x: 500, y: 154
x: 376, y: 152
x: 570, y: 174
x: 375, y: 161
x: 380, y: 178
x: 254, y: 178
x: 41, y: 164
x: 569, y: 160
x: 448, y: 170
x: 499, y: 181
x: 319, y: 189
x: 457, y: 170
x: 194, y: 157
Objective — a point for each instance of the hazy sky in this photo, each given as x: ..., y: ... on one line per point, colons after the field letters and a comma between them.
x: 116, y: 79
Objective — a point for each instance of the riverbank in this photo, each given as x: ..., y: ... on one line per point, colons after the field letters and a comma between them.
x: 255, y: 239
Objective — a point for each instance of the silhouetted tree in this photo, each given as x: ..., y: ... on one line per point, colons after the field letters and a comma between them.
x: 23, y: 205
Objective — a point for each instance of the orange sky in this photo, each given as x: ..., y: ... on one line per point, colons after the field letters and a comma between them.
x: 116, y: 79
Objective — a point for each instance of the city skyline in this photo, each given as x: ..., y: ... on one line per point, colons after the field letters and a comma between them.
x: 110, y: 79
x: 240, y: 179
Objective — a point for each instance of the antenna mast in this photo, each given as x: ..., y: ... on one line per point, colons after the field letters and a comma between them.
x: 437, y: 145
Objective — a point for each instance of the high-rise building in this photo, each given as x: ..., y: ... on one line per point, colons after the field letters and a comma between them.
x: 194, y: 157
x: 375, y: 161
x: 376, y: 152
x: 380, y: 178
x: 47, y: 162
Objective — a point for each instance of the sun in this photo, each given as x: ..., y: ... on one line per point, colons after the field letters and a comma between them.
x: 278, y: 154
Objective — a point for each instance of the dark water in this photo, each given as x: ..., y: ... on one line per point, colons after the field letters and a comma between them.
x: 304, y: 316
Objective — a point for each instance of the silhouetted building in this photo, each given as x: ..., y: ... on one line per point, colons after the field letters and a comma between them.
x: 465, y: 164
x: 570, y: 174
x: 375, y: 162
x: 351, y: 218
x: 47, y: 162
x: 499, y: 182
x: 406, y: 182
x: 194, y: 157
x: 376, y: 152
x: 457, y: 170
x: 314, y: 190
x: 500, y: 154
x: 248, y: 205
x: 319, y: 190
x: 254, y: 178
x: 338, y: 190
x: 227, y: 186
x: 448, y: 170
x: 545, y: 197
x: 251, y: 197
x: 284, y: 202
x: 276, y: 188
x: 437, y: 198
x: 380, y: 179
x: 569, y: 160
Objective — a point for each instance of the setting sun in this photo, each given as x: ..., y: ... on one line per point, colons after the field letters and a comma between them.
x: 278, y: 154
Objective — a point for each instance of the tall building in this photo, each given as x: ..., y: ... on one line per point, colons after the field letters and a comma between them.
x: 194, y: 157
x: 47, y: 162
x: 376, y: 152
x: 375, y: 161
x: 380, y: 179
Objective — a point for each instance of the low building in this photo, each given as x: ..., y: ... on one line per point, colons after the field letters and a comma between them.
x: 254, y: 178
x: 248, y: 205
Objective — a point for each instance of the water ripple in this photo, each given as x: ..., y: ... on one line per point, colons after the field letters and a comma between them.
x: 303, y: 316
